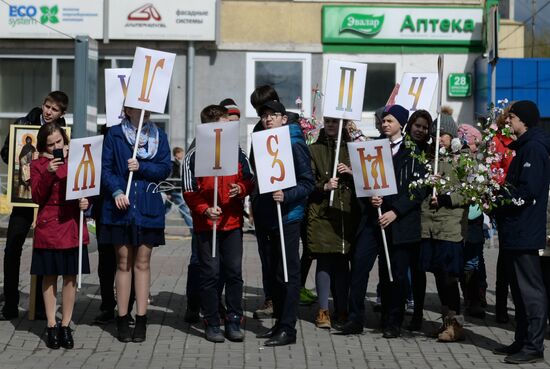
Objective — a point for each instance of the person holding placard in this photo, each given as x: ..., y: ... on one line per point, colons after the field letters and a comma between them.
x: 293, y: 202
x: 52, y: 110
x: 401, y: 221
x: 259, y: 96
x: 331, y: 230
x: 444, y: 227
x: 54, y: 255
x: 134, y: 224
x: 228, y: 216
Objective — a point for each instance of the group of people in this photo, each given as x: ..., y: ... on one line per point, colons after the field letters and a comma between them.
x: 441, y: 233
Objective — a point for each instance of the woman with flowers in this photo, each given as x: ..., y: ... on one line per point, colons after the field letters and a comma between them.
x: 444, y: 220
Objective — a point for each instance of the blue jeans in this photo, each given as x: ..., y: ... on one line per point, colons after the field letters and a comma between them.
x: 177, y: 199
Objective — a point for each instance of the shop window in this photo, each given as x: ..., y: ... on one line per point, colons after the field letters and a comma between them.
x: 381, y: 75
x: 23, y: 83
x: 65, y: 73
x: 288, y: 73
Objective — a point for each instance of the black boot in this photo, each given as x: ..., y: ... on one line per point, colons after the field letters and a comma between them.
x: 53, y: 337
x: 474, y: 307
x: 140, y: 329
x: 66, y: 337
x: 123, y: 328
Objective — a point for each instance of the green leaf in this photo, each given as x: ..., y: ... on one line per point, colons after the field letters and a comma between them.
x: 45, y: 10
x: 54, y: 10
x: 54, y: 19
x: 44, y: 19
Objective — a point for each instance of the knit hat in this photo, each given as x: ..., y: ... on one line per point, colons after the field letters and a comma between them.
x: 398, y: 112
x: 527, y: 112
x: 448, y: 125
x: 231, y: 106
x: 469, y: 133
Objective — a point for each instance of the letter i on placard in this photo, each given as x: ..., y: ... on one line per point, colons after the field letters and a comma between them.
x: 146, y: 93
x: 218, y: 148
x: 342, y: 89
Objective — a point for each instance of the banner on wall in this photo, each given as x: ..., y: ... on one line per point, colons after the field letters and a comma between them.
x: 163, y: 20
x: 31, y: 19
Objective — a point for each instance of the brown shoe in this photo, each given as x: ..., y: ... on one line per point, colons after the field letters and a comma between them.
x: 265, y: 311
x: 323, y: 319
x: 454, y: 329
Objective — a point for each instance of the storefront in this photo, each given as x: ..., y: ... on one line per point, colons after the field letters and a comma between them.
x: 396, y: 40
x: 37, y: 49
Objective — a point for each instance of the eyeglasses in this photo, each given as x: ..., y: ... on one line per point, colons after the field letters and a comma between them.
x: 272, y: 115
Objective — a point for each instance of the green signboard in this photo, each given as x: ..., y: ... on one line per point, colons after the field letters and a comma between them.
x: 386, y: 25
x: 459, y: 85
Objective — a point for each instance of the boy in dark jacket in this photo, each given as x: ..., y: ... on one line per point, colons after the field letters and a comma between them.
x: 522, y: 232
x: 52, y: 110
x: 228, y: 215
x: 401, y: 220
x: 293, y: 202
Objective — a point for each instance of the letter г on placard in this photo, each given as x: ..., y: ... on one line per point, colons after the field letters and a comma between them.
x: 150, y: 82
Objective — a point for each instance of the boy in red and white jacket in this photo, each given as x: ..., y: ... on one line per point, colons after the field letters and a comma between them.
x: 199, y: 196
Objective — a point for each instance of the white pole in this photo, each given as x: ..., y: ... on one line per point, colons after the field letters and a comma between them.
x: 440, y: 63
x: 336, y: 157
x: 80, y: 235
x: 134, y: 155
x: 385, y: 247
x: 282, y: 236
x: 214, y: 226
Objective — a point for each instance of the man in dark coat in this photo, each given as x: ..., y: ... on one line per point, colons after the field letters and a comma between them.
x: 52, y: 110
x: 522, y: 232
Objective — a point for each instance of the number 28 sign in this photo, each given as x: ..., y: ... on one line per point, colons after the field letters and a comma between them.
x: 151, y: 74
x: 274, y: 161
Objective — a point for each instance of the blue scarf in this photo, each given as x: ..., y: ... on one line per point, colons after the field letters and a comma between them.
x: 148, y: 138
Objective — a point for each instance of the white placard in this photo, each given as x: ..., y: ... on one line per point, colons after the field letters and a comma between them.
x: 274, y: 161
x: 151, y: 74
x: 416, y: 91
x: 345, y: 90
x: 84, y: 167
x: 372, y: 166
x: 116, y: 87
x: 162, y: 20
x: 217, y: 149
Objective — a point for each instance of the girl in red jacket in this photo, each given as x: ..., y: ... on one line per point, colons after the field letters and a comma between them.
x: 55, y: 244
